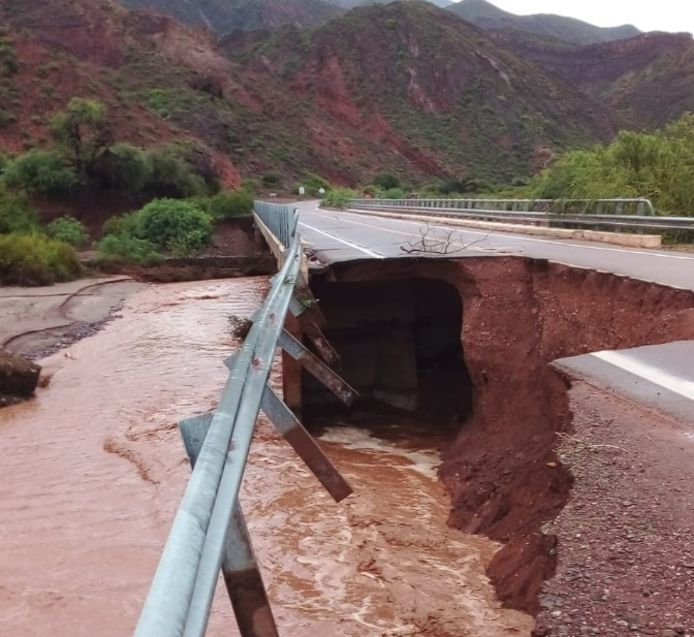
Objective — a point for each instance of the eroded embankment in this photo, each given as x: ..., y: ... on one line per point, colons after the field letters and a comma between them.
x: 514, y: 315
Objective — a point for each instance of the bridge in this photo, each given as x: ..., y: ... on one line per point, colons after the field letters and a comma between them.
x: 393, y: 255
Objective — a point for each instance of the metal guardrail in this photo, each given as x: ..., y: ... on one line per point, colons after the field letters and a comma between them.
x: 209, y: 533
x: 644, y: 217
x: 280, y: 219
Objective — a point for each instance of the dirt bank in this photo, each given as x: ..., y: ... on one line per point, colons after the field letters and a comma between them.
x: 502, y: 472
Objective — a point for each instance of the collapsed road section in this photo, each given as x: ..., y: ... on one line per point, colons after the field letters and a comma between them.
x: 465, y: 346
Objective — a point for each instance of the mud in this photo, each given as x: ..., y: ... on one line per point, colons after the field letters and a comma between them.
x: 501, y: 471
x: 93, y: 469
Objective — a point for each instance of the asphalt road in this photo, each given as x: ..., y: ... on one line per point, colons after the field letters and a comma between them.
x: 345, y: 236
x: 661, y: 376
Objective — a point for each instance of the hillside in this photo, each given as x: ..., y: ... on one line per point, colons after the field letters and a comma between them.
x: 489, y: 17
x: 402, y: 87
x: 223, y: 16
x: 629, y: 76
x: 406, y: 84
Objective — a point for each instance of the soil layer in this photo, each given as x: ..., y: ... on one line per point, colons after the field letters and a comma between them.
x: 502, y: 472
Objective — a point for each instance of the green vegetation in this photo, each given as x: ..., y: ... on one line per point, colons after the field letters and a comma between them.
x: 179, y: 227
x: 9, y: 64
x: 312, y: 183
x: 656, y: 165
x: 83, y: 132
x: 33, y: 259
x: 40, y: 171
x: 338, y: 197
x: 127, y: 249
x: 125, y: 167
x: 68, y: 230
x: 228, y: 204
x: 16, y: 215
x: 386, y: 181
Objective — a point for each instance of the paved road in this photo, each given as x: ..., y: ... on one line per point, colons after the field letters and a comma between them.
x: 346, y: 236
x: 661, y: 376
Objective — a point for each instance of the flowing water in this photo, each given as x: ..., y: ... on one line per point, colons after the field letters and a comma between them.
x: 93, y: 469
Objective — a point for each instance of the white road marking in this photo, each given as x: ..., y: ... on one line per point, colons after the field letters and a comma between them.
x: 657, y: 376
x: 564, y: 244
x: 366, y: 251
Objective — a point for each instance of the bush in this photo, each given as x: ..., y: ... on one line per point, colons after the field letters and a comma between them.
x: 394, y: 193
x: 338, y: 197
x: 16, y: 215
x: 313, y: 183
x: 171, y: 176
x: 42, y: 171
x: 68, y: 230
x: 125, y: 167
x: 272, y: 179
x: 229, y: 204
x: 32, y: 259
x: 386, y: 181
x: 126, y: 248
x: 125, y: 224
x: 179, y: 227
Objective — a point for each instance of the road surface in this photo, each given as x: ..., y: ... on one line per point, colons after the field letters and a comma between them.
x: 345, y: 236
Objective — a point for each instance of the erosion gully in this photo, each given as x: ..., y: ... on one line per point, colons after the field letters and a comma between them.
x: 449, y: 450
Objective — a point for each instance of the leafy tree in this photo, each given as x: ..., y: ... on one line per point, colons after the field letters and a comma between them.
x: 68, y: 230
x: 338, y: 197
x: 83, y: 131
x: 171, y: 176
x: 126, y: 248
x: 229, y: 204
x: 41, y: 171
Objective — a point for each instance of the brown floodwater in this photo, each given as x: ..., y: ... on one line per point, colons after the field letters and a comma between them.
x: 93, y: 469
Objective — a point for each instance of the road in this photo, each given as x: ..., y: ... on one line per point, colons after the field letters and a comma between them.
x: 661, y: 376
x: 345, y: 236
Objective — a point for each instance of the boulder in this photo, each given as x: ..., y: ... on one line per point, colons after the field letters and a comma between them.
x: 18, y: 377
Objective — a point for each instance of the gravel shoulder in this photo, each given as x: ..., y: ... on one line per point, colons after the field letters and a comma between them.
x: 626, y: 536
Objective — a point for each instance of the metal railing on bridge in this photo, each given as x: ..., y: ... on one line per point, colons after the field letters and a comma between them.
x: 617, y: 214
x: 209, y: 533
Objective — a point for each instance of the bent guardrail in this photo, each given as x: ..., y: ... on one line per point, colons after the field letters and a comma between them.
x: 510, y: 210
x: 209, y: 533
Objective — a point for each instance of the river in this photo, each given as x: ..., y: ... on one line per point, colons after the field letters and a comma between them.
x: 93, y: 469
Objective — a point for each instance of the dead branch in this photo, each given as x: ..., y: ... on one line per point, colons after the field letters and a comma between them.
x: 437, y: 240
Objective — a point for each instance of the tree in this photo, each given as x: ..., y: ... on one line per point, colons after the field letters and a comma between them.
x: 42, y: 171
x: 83, y: 131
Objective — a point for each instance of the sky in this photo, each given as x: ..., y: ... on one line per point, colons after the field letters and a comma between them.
x: 647, y: 15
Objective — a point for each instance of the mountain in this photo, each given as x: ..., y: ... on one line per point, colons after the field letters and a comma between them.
x: 223, y: 16
x: 404, y: 87
x: 489, y: 17
x: 629, y: 76
x: 417, y: 89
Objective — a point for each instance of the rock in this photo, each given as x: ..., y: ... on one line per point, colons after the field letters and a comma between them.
x: 18, y: 375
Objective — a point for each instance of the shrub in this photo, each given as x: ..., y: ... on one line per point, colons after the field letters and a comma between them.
x: 229, y: 204
x: 68, y: 230
x: 16, y: 215
x: 394, y: 193
x: 41, y: 171
x: 125, y: 167
x: 179, y: 227
x: 313, y: 183
x: 386, y: 181
x: 272, y: 179
x: 338, y: 197
x: 126, y: 248
x: 121, y: 224
x: 32, y: 259
x: 171, y: 176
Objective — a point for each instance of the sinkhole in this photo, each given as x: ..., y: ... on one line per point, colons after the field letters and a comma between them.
x: 400, y: 348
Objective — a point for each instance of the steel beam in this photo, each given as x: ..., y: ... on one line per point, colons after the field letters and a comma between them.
x: 242, y: 577
x: 305, y: 446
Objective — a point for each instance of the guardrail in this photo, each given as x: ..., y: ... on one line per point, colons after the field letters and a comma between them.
x: 645, y: 219
x: 209, y: 533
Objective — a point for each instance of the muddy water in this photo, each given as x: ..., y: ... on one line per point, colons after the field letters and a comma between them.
x: 93, y: 469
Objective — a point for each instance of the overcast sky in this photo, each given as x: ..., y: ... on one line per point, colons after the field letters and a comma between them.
x: 647, y: 15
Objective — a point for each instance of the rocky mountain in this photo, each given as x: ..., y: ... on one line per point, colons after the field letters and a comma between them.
x: 645, y: 81
x: 224, y: 16
x: 489, y: 17
x: 404, y: 87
